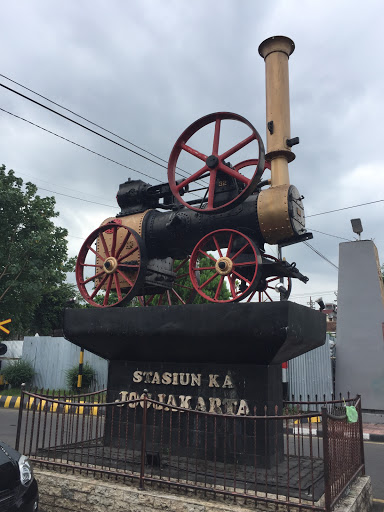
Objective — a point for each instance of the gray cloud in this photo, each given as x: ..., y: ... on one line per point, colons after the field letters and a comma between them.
x: 147, y: 69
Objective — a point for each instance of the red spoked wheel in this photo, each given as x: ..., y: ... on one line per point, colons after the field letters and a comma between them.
x: 182, y: 291
x: 215, y: 168
x: 251, y: 163
x: 112, y: 273
x: 266, y: 289
x: 235, y: 261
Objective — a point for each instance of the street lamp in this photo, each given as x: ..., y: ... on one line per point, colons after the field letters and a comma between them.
x: 357, y: 227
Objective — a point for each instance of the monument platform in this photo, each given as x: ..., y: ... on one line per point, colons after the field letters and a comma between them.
x: 251, y: 333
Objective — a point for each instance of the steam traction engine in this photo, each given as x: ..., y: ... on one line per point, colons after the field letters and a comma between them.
x: 215, y: 219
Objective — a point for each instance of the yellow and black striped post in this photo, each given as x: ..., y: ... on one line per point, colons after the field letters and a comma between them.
x: 80, y: 376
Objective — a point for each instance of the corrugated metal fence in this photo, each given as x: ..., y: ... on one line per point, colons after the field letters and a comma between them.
x: 311, y: 373
x: 51, y: 357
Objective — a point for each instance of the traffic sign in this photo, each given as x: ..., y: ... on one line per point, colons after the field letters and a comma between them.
x: 2, y: 324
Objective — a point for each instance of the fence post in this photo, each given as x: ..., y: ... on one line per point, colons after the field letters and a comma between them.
x: 143, y: 440
x: 20, y: 415
x: 327, y: 480
x: 362, y: 457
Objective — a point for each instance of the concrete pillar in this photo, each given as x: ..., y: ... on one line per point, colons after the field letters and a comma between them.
x: 360, y: 325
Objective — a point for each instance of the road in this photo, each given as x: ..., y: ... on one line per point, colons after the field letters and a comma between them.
x: 374, y: 455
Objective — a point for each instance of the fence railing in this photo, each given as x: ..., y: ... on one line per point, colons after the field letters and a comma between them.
x: 306, y: 459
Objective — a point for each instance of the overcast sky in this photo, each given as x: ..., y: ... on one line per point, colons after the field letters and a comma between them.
x: 146, y: 69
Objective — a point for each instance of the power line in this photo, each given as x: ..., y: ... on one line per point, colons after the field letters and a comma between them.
x: 345, y: 208
x: 81, y: 125
x: 320, y: 254
x: 56, y: 185
x: 328, y: 234
x: 78, y: 198
x: 84, y: 118
x: 79, y: 145
x: 86, y: 149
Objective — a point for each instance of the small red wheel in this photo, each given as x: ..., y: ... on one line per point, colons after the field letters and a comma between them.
x: 117, y: 266
x: 182, y: 291
x: 215, y: 164
x: 235, y: 261
x: 266, y: 289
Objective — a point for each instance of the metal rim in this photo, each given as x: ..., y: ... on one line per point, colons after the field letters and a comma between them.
x: 115, y: 268
x: 262, y: 288
x: 244, y: 258
x: 216, y: 162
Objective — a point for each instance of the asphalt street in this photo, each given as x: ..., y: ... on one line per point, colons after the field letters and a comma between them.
x: 374, y: 455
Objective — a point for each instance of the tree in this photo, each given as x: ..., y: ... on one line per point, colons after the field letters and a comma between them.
x: 33, y: 258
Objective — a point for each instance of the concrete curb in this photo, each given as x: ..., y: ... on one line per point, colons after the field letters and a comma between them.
x: 13, y: 402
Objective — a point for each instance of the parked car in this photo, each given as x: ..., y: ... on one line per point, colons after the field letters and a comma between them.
x: 18, y: 486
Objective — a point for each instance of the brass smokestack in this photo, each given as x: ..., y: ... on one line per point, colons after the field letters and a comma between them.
x: 275, y: 52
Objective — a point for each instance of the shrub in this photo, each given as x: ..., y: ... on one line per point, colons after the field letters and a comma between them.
x: 88, y: 376
x: 18, y: 372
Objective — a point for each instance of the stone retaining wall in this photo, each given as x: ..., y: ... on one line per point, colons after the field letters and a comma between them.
x: 62, y: 492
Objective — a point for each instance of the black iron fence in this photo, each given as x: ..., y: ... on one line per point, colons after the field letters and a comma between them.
x: 303, y: 458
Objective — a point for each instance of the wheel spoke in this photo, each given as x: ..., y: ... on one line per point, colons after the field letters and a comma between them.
x: 193, y: 152
x: 202, y: 268
x: 123, y: 244
x: 126, y: 278
x: 212, y: 185
x: 89, y: 265
x: 244, y: 263
x: 113, y: 248
x: 217, y: 246
x: 104, y: 245
x: 193, y: 177
x: 238, y: 146
x: 216, y: 137
x: 208, y: 281
x: 183, y: 286
x: 95, y: 252
x: 108, y: 290
x: 273, y: 279
x: 117, y: 285
x: 268, y: 296
x: 181, y: 265
x: 251, y: 296
x: 229, y: 245
x: 161, y: 299
x: 234, y: 174
x: 128, y: 254
x: 99, y: 286
x: 178, y: 296
x: 241, y: 277
x: 232, y: 286
x: 220, y: 285
x: 93, y: 277
x: 207, y: 255
x: 239, y: 251
x: 169, y: 298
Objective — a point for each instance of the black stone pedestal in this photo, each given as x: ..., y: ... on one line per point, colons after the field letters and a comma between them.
x: 215, y: 358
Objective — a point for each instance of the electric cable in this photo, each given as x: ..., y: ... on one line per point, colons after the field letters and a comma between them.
x: 320, y: 254
x: 85, y: 119
x: 345, y: 208
x: 87, y: 128
x: 84, y: 147
x: 329, y: 234
x: 81, y: 125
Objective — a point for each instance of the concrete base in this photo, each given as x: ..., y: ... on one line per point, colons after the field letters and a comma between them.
x: 254, y: 333
x: 60, y: 492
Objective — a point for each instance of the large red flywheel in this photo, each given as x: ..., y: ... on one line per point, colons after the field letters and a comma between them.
x: 215, y: 168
